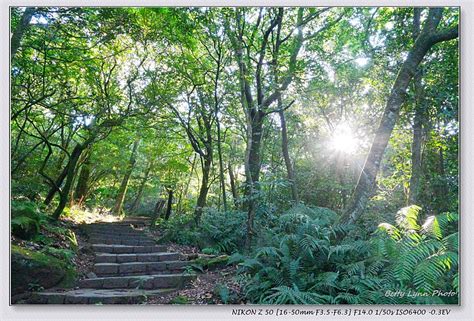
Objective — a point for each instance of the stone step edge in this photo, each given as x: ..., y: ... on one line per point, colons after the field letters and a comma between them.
x: 118, y: 236
x: 133, y: 257
x: 97, y: 296
x: 151, y: 281
x: 127, y: 242
x: 119, y: 245
x: 136, y: 268
x: 124, y: 249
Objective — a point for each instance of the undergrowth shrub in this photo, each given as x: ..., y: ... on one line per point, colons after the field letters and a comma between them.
x: 223, y: 231
x: 309, y: 262
x: 179, y: 229
x: 26, y: 219
x: 217, y: 232
x: 421, y: 258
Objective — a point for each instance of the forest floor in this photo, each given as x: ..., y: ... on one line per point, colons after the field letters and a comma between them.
x: 203, y: 289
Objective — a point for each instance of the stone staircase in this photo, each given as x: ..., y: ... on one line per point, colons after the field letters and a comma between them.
x: 129, y: 267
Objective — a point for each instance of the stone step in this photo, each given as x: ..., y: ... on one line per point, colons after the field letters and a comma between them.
x: 141, y: 257
x: 122, y: 224
x: 158, y: 281
x: 115, y: 233
x: 120, y: 237
x: 112, y: 234
x: 121, y: 241
x: 135, y: 268
x: 96, y: 296
x: 117, y: 224
x: 122, y: 249
x: 113, y: 229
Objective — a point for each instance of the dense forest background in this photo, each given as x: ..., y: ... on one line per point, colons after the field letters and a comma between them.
x: 316, y: 146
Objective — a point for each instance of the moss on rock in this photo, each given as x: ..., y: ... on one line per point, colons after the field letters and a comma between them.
x: 210, y: 263
x: 32, y: 270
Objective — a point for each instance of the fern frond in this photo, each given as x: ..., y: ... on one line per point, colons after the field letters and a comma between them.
x: 267, y: 251
x: 340, y: 249
x: 407, y: 217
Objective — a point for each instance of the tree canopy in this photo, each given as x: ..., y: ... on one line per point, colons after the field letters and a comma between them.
x: 268, y: 120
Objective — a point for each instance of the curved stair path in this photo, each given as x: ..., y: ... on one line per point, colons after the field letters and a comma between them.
x: 129, y: 267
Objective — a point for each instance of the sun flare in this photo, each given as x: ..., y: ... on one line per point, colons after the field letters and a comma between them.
x: 343, y: 140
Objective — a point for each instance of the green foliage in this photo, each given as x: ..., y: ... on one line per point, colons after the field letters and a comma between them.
x: 218, y: 231
x: 104, y: 77
x: 44, y: 258
x: 180, y: 299
x: 223, y: 292
x: 26, y: 219
x: 422, y: 258
x: 222, y: 232
x: 65, y: 255
x: 309, y: 264
x: 179, y: 229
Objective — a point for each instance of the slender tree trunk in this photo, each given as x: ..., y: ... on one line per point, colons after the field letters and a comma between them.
x: 76, y: 152
x: 117, y: 210
x: 71, y: 196
x: 233, y: 185
x: 82, y: 186
x: 20, y: 29
x: 442, y: 190
x: 253, y: 165
x: 416, y: 160
x: 366, y: 183
x: 201, y: 201
x: 170, y: 203
x: 254, y: 157
x: 156, y: 212
x: 416, y: 146
x: 286, y: 154
x: 186, y: 187
x: 71, y: 170
x: 138, y: 198
x: 221, y: 163
x: 62, y: 156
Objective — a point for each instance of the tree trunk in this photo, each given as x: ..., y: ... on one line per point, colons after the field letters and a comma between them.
x: 286, y: 154
x: 82, y: 186
x: 170, y: 203
x: 255, y: 143
x: 156, y: 212
x: 233, y: 185
x: 416, y: 160
x: 76, y: 152
x: 417, y: 125
x: 366, y: 183
x: 186, y: 187
x: 204, y: 189
x: 201, y: 201
x: 20, y: 29
x: 138, y: 198
x: 221, y: 163
x: 117, y: 210
x: 71, y: 169
x: 253, y: 166
x: 442, y: 190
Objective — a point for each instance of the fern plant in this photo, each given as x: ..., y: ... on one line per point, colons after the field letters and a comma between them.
x: 307, y: 263
x: 298, y: 267
x: 222, y: 231
x: 423, y: 258
x: 26, y: 219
